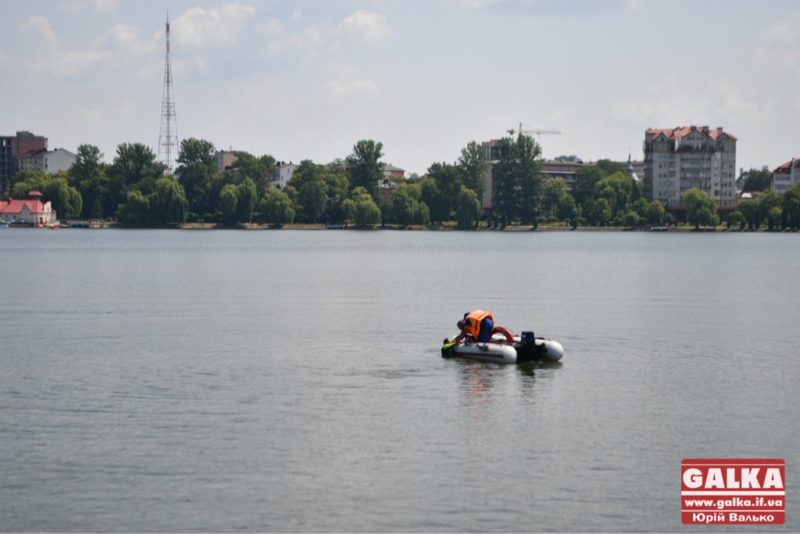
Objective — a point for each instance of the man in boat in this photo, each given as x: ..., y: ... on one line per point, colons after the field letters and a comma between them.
x: 476, y: 325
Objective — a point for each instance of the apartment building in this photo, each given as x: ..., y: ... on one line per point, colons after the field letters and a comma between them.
x: 12, y: 148
x: 678, y: 159
x: 283, y: 173
x: 786, y: 176
x: 49, y: 161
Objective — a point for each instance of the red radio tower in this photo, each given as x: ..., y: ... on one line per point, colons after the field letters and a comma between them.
x: 168, y: 133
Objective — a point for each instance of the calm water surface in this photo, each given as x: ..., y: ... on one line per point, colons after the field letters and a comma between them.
x: 285, y: 381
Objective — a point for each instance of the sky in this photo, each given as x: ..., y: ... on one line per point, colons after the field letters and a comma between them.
x: 308, y: 79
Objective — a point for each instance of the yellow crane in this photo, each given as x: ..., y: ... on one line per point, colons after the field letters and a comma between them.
x: 536, y: 132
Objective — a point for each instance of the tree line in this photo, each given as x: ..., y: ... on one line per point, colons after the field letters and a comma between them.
x: 134, y: 190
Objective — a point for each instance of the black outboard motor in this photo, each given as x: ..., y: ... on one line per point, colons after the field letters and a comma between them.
x: 526, y: 348
x: 527, y: 337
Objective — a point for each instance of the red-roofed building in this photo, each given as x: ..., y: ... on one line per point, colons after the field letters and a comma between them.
x: 786, y: 176
x: 678, y: 159
x: 31, y: 211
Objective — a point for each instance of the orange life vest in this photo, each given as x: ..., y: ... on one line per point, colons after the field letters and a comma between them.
x: 473, y: 322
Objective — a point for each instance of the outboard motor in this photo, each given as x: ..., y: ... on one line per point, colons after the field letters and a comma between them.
x: 527, y: 338
x: 526, y: 348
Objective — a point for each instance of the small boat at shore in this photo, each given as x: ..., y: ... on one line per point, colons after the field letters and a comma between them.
x: 506, y: 349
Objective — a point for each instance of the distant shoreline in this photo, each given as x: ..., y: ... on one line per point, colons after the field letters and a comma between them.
x: 419, y: 228
x: 507, y: 229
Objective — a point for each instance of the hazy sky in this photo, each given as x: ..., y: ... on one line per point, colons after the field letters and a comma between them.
x: 308, y: 79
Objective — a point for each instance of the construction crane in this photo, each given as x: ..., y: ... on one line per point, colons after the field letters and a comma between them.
x: 512, y: 131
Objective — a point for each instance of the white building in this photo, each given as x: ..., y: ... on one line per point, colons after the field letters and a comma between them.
x: 31, y: 211
x: 283, y: 173
x: 49, y: 161
x: 786, y: 176
x: 676, y: 160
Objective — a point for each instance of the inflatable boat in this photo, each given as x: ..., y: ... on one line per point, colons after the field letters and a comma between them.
x: 506, y: 349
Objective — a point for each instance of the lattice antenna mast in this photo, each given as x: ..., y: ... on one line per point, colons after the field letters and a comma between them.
x: 168, y: 133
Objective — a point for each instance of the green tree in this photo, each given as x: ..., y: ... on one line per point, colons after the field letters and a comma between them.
x: 437, y: 202
x: 791, y: 207
x: 774, y: 216
x: 528, y: 167
x: 631, y: 219
x: 89, y: 175
x: 312, y: 191
x: 618, y: 189
x: 198, y: 175
x: 364, y: 166
x: 567, y: 208
x: 609, y: 167
x: 229, y: 203
x: 407, y: 207
x: 168, y: 202
x: 655, y: 213
x: 136, y: 209
x: 701, y: 208
x: 517, y: 181
x: 448, y: 179
x: 468, y: 208
x: 597, y: 212
x: 363, y: 209
x: 766, y: 204
x: 586, y: 177
x: 136, y: 165
x: 276, y: 207
x: 247, y: 196
x: 258, y: 169
x: 757, y: 180
x: 736, y: 219
x: 554, y: 189
x: 751, y: 213
x: 472, y: 164
x: 338, y: 188
x: 505, y: 183
x: 313, y: 198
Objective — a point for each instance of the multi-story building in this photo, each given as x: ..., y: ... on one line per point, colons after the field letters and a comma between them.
x: 391, y: 172
x: 49, y: 161
x: 6, y: 162
x: 786, y: 176
x: 12, y: 148
x: 225, y: 160
x: 283, y: 173
x: 678, y: 159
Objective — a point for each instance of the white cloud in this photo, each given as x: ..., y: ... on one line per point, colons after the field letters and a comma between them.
x: 129, y: 38
x: 272, y: 27
x: 72, y: 63
x: 53, y: 60
x: 297, y: 15
x: 670, y: 102
x: 346, y: 80
x: 200, y: 27
x: 79, y: 62
x: 105, y: 4
x: 780, y: 48
x: 99, y: 5
x: 308, y: 38
x: 40, y: 26
x: 365, y: 26
x: 3, y: 55
x: 635, y: 5
x: 786, y: 32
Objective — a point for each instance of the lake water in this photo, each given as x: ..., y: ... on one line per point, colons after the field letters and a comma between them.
x: 292, y: 380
